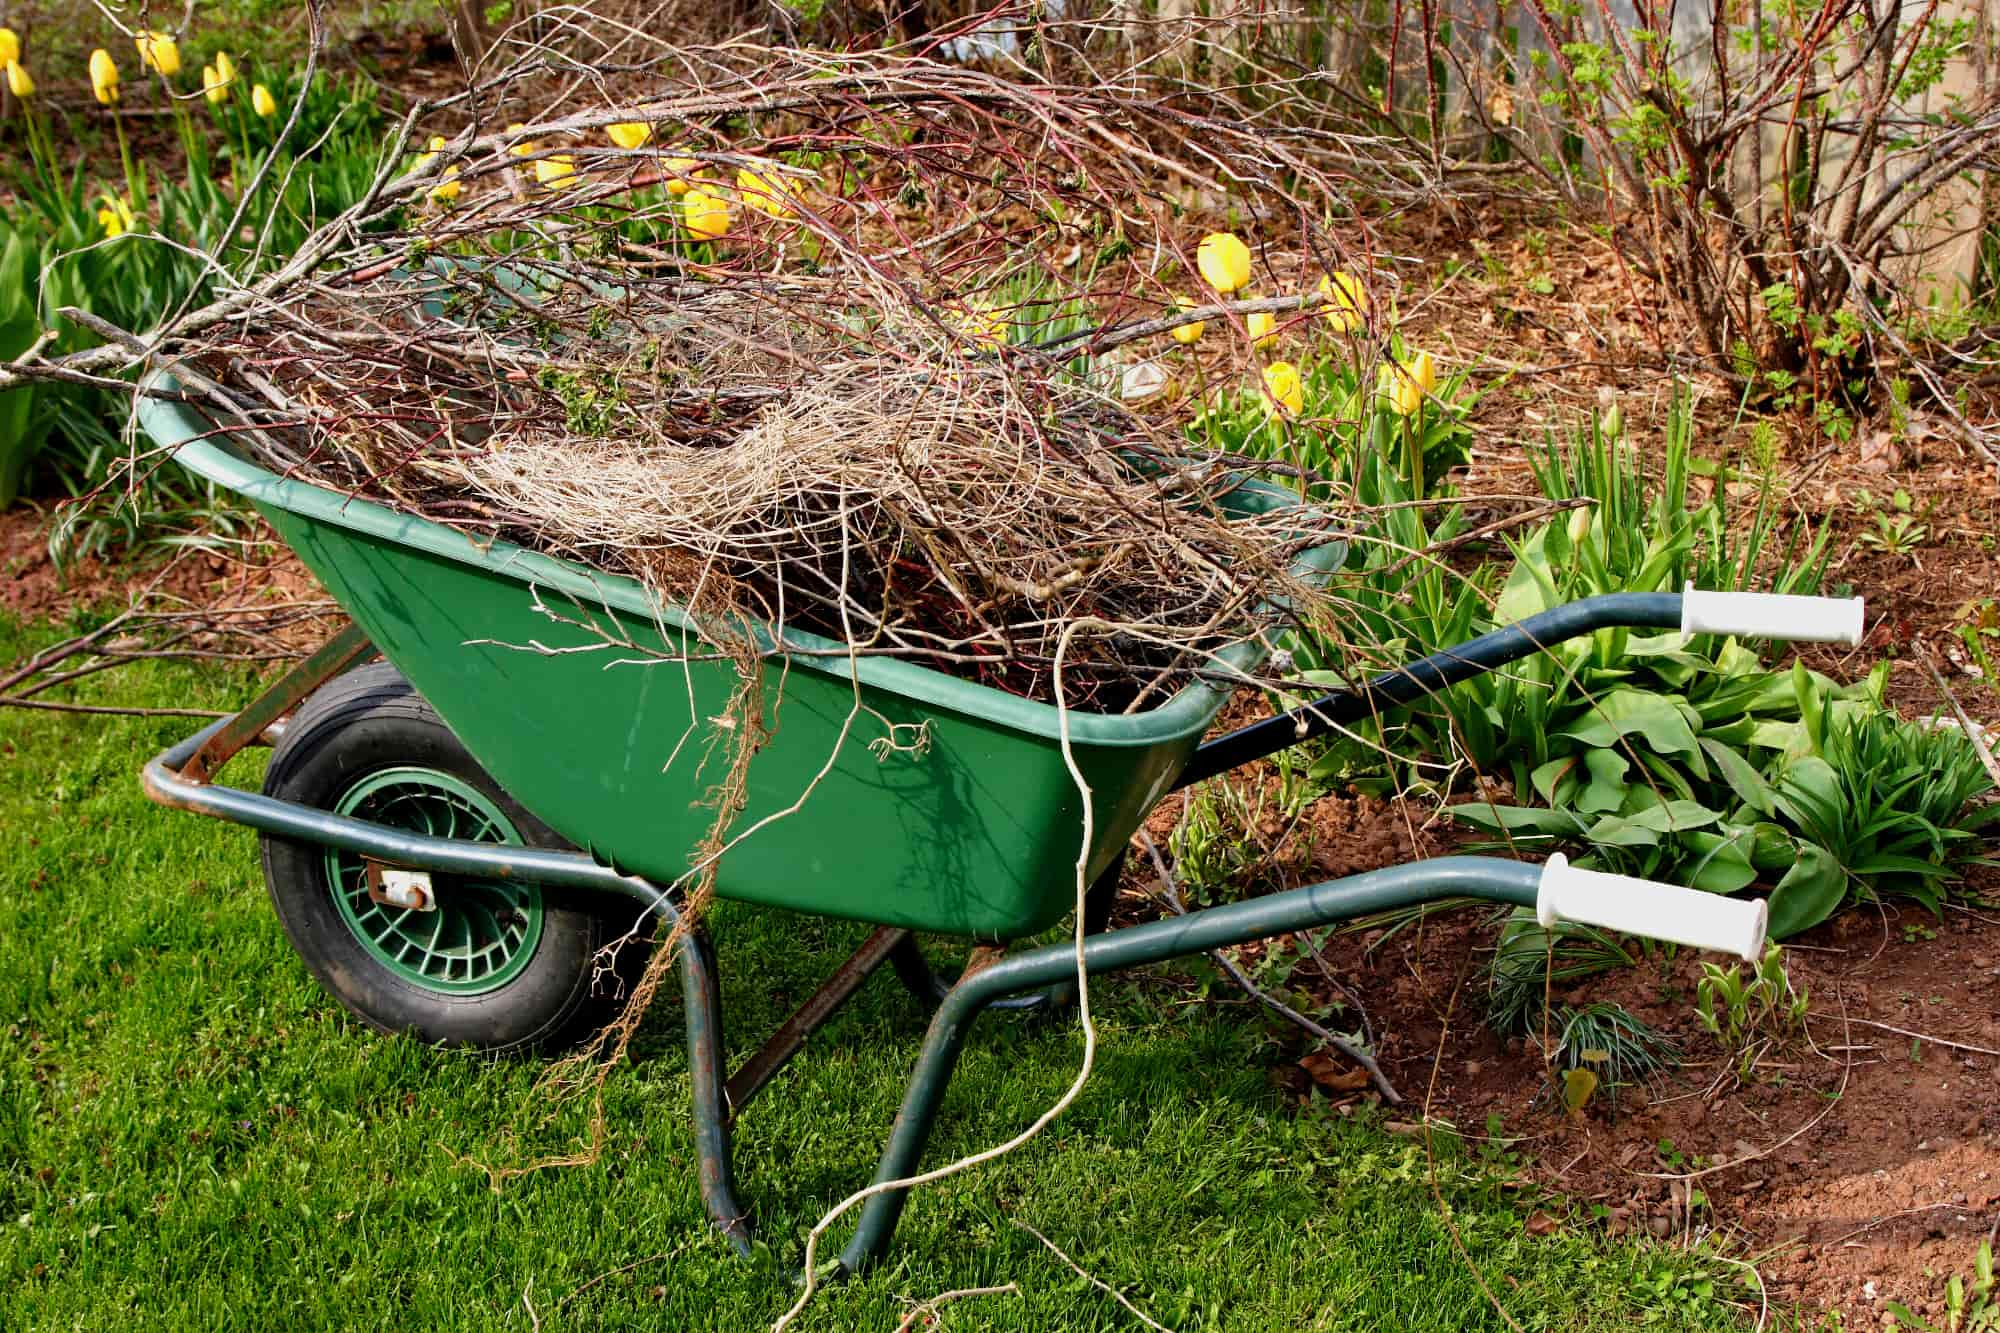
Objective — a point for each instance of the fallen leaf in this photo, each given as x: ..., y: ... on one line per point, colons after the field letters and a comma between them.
x: 1578, y: 1085
x: 1332, y: 1074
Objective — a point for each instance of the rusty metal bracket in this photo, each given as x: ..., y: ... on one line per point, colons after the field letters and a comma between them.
x: 292, y: 689
x: 791, y: 1035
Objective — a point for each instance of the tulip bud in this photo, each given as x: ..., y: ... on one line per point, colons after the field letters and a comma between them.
x: 18, y: 82
x: 10, y: 47
x: 1346, y: 301
x: 681, y: 173
x: 103, y: 77
x: 556, y: 171
x: 262, y: 102
x: 707, y: 216
x: 629, y: 134
x: 159, y: 52
x: 1282, y: 384
x: 1263, y: 326
x: 767, y: 194
x: 1224, y: 261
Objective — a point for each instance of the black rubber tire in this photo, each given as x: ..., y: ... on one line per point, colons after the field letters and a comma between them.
x: 371, y: 719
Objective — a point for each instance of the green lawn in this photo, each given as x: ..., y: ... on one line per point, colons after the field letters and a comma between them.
x: 193, y: 1136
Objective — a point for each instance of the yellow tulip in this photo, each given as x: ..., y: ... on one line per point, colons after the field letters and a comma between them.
x: 769, y: 195
x: 706, y: 215
x: 115, y: 216
x: 446, y: 191
x: 18, y: 82
x: 159, y: 52
x: 262, y: 102
x: 1425, y: 372
x: 681, y: 173
x: 523, y: 148
x: 103, y: 76
x: 979, y: 323
x: 1282, y: 383
x: 1406, y: 387
x: 556, y: 171
x: 225, y: 68
x: 629, y: 134
x: 1186, y: 334
x: 213, y: 86
x: 1224, y: 261
x: 1346, y: 301
x: 10, y: 47
x: 424, y: 159
x: 1263, y: 329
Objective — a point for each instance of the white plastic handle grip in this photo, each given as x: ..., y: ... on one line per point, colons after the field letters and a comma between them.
x: 1648, y: 907
x: 1770, y: 615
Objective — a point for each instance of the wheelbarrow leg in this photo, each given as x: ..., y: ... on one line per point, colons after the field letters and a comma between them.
x: 701, y: 995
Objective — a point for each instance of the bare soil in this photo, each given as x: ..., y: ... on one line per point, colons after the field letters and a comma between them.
x: 33, y: 588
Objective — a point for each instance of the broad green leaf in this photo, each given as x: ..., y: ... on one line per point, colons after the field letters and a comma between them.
x: 1555, y: 781
x: 1811, y: 891
x: 1605, y: 789
x: 1620, y: 831
x: 1723, y: 864
x: 1812, y: 709
x: 1626, y: 711
x: 1741, y: 775
x: 1530, y: 588
x: 1674, y: 816
x: 1517, y: 819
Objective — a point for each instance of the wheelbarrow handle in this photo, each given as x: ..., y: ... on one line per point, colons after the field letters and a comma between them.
x: 1649, y: 908
x: 1756, y: 615
x: 1769, y: 615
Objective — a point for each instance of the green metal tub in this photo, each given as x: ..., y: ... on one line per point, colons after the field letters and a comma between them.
x: 974, y: 832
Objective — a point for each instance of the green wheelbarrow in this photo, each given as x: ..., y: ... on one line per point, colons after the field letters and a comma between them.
x: 452, y: 834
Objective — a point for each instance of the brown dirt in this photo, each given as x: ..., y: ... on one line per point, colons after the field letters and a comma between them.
x: 1853, y: 1166
x: 32, y: 588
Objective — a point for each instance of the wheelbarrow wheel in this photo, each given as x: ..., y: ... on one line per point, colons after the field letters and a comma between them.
x: 497, y: 964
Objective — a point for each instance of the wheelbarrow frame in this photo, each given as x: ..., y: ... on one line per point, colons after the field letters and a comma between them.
x: 183, y: 777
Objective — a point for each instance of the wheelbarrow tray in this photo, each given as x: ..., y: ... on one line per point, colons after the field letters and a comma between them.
x: 974, y: 831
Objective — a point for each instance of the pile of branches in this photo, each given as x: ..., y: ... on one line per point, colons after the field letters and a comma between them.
x: 836, y: 341
x: 754, y: 451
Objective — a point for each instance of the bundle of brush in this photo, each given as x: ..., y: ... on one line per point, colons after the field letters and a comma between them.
x: 774, y: 450
x: 800, y: 340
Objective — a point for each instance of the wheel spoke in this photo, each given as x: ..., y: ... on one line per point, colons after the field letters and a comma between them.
x: 480, y: 933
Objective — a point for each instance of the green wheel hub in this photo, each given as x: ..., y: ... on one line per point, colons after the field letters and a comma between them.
x: 482, y: 932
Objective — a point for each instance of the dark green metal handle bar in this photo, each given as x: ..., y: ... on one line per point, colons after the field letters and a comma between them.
x: 1136, y: 946
x: 539, y: 865
x: 1427, y: 675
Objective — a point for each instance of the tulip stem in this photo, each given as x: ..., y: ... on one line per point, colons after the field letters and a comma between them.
x: 42, y: 150
x: 135, y: 186
x: 1413, y: 448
